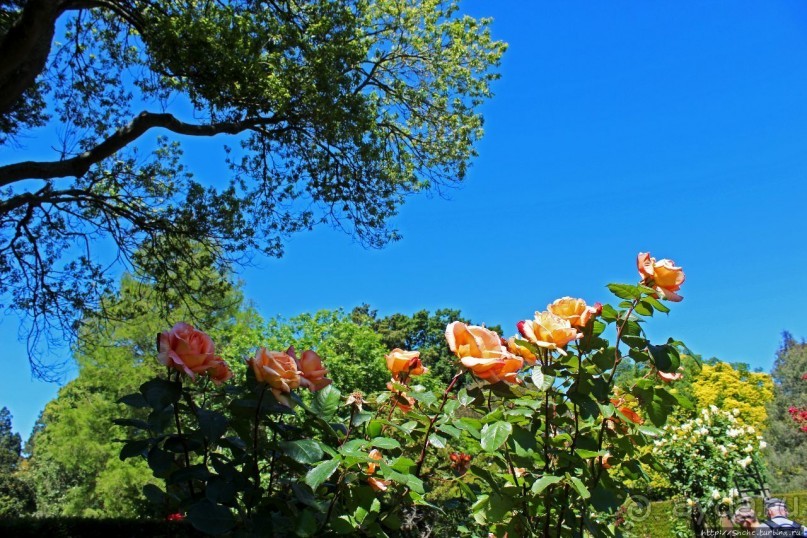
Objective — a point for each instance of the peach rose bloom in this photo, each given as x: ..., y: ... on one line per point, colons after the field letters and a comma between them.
x: 378, y: 484
x: 663, y: 275
x: 549, y: 330
x: 312, y: 372
x: 186, y: 349
x: 403, y: 364
x: 220, y: 372
x: 481, y: 351
x: 278, y: 370
x: 375, y: 454
x: 575, y: 311
x: 516, y: 349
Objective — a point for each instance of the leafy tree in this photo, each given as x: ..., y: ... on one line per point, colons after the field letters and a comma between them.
x: 16, y: 496
x: 353, y: 353
x: 339, y: 110
x: 787, y: 458
x: 721, y: 385
x: 75, y: 462
x: 422, y: 331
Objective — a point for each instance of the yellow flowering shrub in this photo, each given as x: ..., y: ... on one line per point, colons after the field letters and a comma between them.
x: 728, y: 388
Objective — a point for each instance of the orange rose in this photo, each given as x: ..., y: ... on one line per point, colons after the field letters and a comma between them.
x: 575, y: 311
x: 549, y: 330
x: 516, y: 349
x: 220, y: 372
x: 403, y: 364
x: 662, y: 275
x: 186, y: 349
x: 378, y: 484
x: 375, y: 454
x: 312, y: 372
x: 481, y: 351
x: 278, y: 370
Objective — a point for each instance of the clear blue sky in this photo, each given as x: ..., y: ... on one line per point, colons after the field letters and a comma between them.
x: 678, y: 128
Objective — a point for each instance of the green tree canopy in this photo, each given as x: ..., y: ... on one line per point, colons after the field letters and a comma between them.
x: 75, y: 465
x: 16, y: 496
x: 787, y: 457
x: 335, y: 112
x: 10, y: 443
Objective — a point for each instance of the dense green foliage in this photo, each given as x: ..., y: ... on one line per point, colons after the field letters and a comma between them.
x: 788, y: 445
x: 336, y: 111
x: 16, y: 496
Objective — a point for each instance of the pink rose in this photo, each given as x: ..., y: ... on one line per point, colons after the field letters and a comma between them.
x: 312, y: 372
x: 187, y: 349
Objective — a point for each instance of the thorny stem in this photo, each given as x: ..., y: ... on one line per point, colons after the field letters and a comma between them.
x: 185, y: 450
x: 422, y: 457
x: 256, y: 469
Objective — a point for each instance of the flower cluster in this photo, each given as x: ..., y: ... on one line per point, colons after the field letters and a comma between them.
x: 284, y: 372
x: 716, y: 444
x: 191, y: 351
x: 662, y: 275
x: 799, y: 416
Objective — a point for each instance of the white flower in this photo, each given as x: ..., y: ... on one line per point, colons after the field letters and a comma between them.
x: 748, y: 449
x: 745, y: 462
x: 713, y: 408
x: 735, y: 411
x: 725, y: 500
x: 750, y: 429
x: 734, y: 493
x: 715, y: 494
x: 710, y: 439
x: 690, y: 502
x: 762, y: 444
x: 703, y: 431
x: 723, y: 450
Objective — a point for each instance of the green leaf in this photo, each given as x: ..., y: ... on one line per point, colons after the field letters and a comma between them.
x: 437, y: 441
x: 544, y: 482
x: 665, y: 357
x: 581, y: 488
x: 625, y: 291
x: 194, y: 472
x: 326, y: 402
x: 212, y: 424
x: 636, y: 342
x: 154, y: 494
x: 373, y: 428
x: 211, y: 518
x: 587, y: 454
x: 134, y: 448
x: 644, y: 309
x: 305, y: 451
x: 134, y: 400
x: 494, y: 435
x: 306, y: 524
x: 609, y: 313
x: 160, y: 461
x: 655, y: 303
x: 160, y: 393
x: 133, y: 422
x: 219, y: 490
x: 385, y: 443
x: 322, y: 472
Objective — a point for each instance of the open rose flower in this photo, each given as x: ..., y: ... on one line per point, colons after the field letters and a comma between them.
x: 312, y: 372
x: 517, y: 349
x: 278, y: 370
x: 662, y: 275
x: 220, y: 372
x: 403, y: 364
x: 575, y: 311
x: 187, y: 349
x: 548, y: 330
x: 481, y: 351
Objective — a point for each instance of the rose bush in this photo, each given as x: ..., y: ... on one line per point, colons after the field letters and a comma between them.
x: 538, y: 440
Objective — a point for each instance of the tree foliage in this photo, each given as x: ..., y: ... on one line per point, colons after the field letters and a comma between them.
x: 336, y: 111
x: 75, y: 465
x: 730, y: 388
x: 787, y: 460
x: 16, y: 496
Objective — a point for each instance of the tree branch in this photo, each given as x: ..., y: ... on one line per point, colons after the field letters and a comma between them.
x: 80, y: 164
